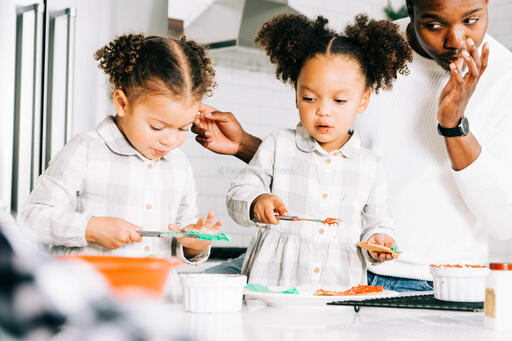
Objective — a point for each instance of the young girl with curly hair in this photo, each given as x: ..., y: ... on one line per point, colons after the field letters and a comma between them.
x: 319, y: 169
x: 107, y: 185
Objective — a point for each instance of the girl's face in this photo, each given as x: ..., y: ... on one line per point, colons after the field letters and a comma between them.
x: 330, y: 92
x: 155, y: 124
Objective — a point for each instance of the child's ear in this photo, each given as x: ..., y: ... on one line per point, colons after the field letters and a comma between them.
x: 365, y: 100
x: 120, y: 102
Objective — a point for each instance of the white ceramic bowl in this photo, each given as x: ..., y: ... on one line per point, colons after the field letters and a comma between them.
x: 213, y: 293
x: 459, y: 284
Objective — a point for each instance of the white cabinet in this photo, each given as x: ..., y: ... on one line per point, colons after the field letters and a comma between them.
x: 50, y: 85
x: 21, y: 64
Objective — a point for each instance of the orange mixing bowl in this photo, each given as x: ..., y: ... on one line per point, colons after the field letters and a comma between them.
x: 126, y: 274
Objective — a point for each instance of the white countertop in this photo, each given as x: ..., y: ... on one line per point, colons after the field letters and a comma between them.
x: 257, y: 321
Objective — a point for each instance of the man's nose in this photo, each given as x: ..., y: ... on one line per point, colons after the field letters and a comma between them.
x: 455, y: 39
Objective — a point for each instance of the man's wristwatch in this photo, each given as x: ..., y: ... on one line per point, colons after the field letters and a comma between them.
x: 462, y: 129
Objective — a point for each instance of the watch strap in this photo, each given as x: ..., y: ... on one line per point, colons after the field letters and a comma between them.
x: 455, y: 131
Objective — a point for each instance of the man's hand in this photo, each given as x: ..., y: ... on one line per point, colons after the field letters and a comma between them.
x: 218, y: 131
x: 381, y: 239
x: 458, y: 91
x: 111, y: 233
x: 221, y: 133
x: 194, y: 246
x: 265, y: 206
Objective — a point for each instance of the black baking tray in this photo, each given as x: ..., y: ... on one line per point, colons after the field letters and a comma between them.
x: 413, y: 302
x: 224, y: 253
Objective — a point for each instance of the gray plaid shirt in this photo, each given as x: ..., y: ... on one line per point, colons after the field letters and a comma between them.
x: 99, y: 173
x: 348, y: 184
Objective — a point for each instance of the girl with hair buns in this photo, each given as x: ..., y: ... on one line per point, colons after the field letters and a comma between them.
x: 107, y: 185
x: 320, y: 169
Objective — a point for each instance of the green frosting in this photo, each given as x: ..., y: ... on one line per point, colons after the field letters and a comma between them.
x: 291, y: 291
x: 206, y: 236
x: 257, y: 288
x: 262, y: 288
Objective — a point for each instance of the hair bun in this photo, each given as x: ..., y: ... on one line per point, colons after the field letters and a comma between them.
x: 289, y: 40
x: 118, y: 58
x: 385, y: 49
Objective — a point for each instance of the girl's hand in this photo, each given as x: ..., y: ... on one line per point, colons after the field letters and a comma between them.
x: 111, y: 232
x: 265, y: 206
x: 381, y: 239
x: 458, y: 91
x: 194, y: 246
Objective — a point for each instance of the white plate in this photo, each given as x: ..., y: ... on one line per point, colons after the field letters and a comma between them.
x: 306, y: 297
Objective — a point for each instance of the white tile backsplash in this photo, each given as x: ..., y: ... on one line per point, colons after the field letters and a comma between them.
x: 500, y: 18
x: 262, y: 103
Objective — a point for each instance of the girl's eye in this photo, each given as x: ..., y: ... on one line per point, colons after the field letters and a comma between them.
x: 184, y: 128
x: 308, y: 99
x: 156, y: 128
x: 340, y: 101
x: 470, y: 21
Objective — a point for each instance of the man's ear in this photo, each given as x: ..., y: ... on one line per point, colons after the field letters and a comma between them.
x: 365, y: 100
x: 410, y: 9
x: 120, y: 102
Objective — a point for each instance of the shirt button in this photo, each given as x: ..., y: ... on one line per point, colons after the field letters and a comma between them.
x: 149, y: 165
x: 324, y: 195
x: 328, y: 160
x: 147, y: 248
x: 316, y: 270
x: 336, y: 153
x: 321, y: 230
x: 148, y: 207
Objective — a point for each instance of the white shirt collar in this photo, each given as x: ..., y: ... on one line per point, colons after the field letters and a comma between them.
x: 308, y: 144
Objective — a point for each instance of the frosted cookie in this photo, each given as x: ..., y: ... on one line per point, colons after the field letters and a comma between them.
x: 379, y: 248
x: 354, y: 291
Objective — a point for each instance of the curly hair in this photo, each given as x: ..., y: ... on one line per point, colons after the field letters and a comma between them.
x: 137, y: 65
x: 377, y: 46
x: 289, y: 40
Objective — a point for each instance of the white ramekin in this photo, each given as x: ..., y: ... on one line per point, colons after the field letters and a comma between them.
x: 213, y: 293
x: 459, y: 284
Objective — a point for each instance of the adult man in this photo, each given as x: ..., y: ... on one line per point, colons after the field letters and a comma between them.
x: 445, y: 142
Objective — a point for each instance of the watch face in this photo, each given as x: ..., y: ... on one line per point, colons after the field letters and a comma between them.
x: 464, y: 126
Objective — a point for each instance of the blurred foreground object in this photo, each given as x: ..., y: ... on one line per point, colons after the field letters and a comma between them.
x: 41, y: 297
